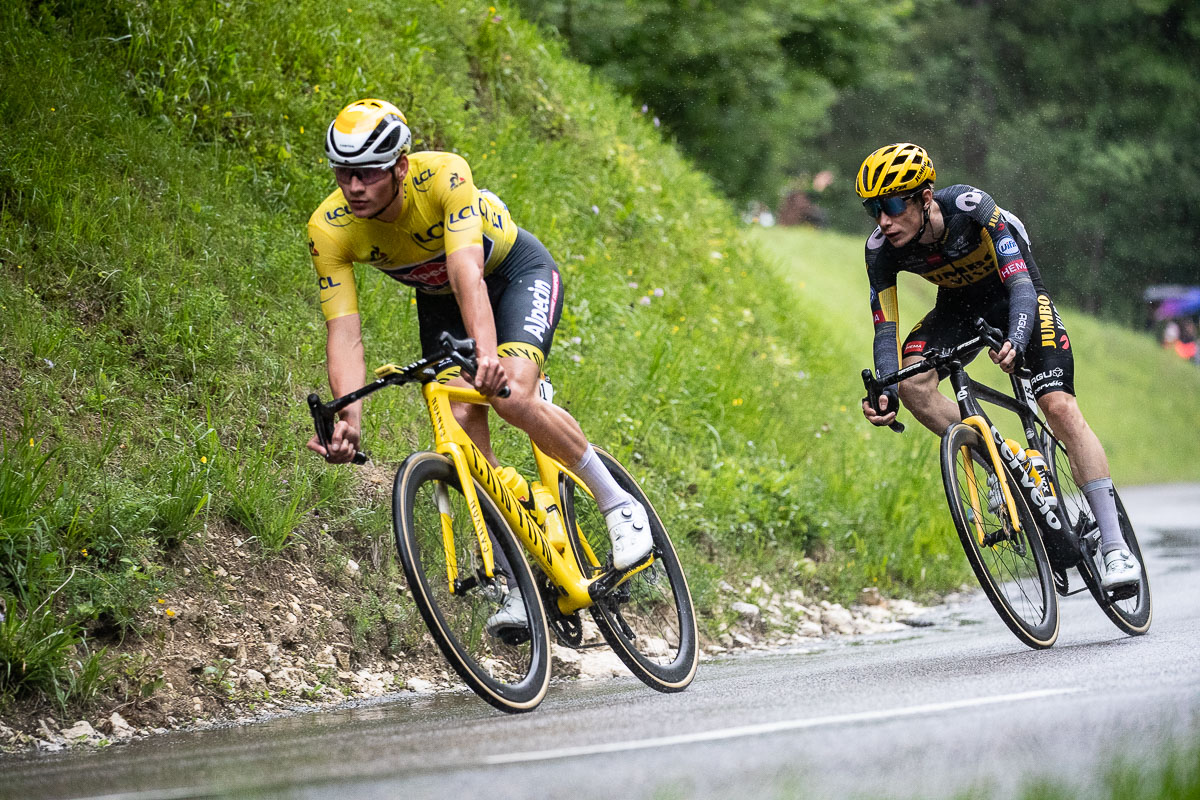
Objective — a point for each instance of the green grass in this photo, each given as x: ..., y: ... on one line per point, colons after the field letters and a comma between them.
x: 159, y: 323
x: 1143, y: 402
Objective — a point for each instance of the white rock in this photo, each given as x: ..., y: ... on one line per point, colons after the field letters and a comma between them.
x: 79, y: 731
x: 747, y: 611
x: 600, y: 663
x: 352, y: 568
x: 120, y: 728
x: 419, y: 685
x: 837, y: 619
x: 253, y: 679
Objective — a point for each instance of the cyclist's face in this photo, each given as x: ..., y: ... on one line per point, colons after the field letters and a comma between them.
x: 903, y: 226
x: 367, y: 190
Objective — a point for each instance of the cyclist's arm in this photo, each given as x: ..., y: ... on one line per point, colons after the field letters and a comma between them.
x: 1014, y: 273
x: 885, y: 314
x: 344, y: 355
x: 465, y: 268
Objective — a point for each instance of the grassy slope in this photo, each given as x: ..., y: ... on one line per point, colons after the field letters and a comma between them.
x: 1144, y: 403
x: 161, y: 328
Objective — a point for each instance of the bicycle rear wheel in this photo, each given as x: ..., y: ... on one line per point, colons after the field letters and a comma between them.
x: 510, y: 673
x: 648, y: 620
x: 1129, y: 608
x: 1012, y: 566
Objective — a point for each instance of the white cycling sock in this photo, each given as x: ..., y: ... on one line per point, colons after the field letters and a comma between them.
x: 1103, y: 500
x: 599, y: 481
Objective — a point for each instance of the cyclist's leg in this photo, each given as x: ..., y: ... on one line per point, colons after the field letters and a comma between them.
x: 939, y: 329
x: 1051, y: 361
x: 526, y: 309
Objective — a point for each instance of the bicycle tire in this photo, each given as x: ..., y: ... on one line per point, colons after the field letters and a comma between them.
x: 648, y: 621
x: 1012, y: 567
x: 1131, y: 614
x: 511, y: 675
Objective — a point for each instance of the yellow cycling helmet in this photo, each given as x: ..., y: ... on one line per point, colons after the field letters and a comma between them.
x: 367, y: 133
x: 896, y: 168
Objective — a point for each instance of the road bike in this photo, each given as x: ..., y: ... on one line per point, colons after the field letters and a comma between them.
x: 460, y: 530
x: 1021, y: 516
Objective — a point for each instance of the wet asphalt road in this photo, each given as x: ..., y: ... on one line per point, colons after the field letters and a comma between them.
x: 929, y: 712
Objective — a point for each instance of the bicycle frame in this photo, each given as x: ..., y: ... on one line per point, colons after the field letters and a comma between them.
x: 547, y: 542
x: 968, y: 392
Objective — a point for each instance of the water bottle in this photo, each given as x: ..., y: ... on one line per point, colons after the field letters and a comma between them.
x: 1039, y: 473
x: 549, y: 516
x: 516, y: 483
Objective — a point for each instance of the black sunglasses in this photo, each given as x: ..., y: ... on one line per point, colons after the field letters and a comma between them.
x: 892, y: 206
x: 367, y: 175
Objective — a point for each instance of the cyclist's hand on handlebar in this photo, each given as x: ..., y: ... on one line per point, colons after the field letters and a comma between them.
x: 342, y: 446
x: 489, y: 377
x: 886, y: 413
x: 1006, y: 357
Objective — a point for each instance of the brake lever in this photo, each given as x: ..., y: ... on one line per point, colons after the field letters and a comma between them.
x: 323, y: 421
x: 872, y: 387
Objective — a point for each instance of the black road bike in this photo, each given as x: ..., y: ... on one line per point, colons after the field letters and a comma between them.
x: 1022, y: 518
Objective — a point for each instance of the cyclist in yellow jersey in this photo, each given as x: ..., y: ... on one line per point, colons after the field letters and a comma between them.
x: 421, y: 220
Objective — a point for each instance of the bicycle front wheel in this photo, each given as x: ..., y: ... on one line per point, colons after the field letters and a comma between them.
x: 1128, y: 607
x: 512, y: 671
x: 1011, y: 565
x: 648, y: 620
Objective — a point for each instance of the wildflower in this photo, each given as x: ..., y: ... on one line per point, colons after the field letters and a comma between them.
x: 83, y: 552
x: 203, y: 459
x: 595, y: 209
x: 161, y: 601
x: 302, y: 129
x: 737, y: 401
x: 170, y: 612
x: 659, y: 292
x: 31, y: 441
x: 645, y: 301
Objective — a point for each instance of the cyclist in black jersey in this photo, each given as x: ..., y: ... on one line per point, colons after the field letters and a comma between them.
x: 980, y: 257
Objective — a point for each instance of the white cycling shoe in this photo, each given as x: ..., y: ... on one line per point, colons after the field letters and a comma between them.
x: 630, y: 532
x: 1120, y: 568
x: 510, y: 617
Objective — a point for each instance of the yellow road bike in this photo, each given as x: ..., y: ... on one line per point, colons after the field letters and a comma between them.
x: 460, y: 531
x: 1020, y: 515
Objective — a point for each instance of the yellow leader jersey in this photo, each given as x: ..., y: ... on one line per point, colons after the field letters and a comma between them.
x: 442, y: 212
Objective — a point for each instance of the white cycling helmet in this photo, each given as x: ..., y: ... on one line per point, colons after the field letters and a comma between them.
x: 367, y: 133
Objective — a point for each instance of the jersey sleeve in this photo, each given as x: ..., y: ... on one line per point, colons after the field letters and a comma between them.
x: 335, y: 273
x: 885, y: 308
x: 455, y: 188
x: 1010, y: 263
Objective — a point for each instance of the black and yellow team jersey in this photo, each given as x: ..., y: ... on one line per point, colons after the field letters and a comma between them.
x: 443, y: 211
x: 982, y: 258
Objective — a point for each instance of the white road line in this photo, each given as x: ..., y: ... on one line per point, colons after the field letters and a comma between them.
x: 769, y: 727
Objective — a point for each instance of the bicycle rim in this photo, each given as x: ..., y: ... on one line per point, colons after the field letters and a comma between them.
x: 1012, y: 566
x: 648, y: 620
x: 1129, y: 612
x: 510, y: 674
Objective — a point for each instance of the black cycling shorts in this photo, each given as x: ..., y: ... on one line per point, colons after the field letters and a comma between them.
x: 526, y: 296
x: 1048, y: 355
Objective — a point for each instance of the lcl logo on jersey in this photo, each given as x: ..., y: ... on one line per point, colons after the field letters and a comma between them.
x: 339, y: 217
x: 421, y: 179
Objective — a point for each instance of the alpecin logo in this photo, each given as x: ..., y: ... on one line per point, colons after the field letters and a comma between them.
x: 538, y: 320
